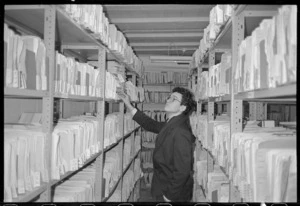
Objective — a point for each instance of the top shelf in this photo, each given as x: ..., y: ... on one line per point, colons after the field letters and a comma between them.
x: 69, y: 32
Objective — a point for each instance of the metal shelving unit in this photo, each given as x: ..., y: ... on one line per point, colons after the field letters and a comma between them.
x: 237, y: 29
x: 53, y: 25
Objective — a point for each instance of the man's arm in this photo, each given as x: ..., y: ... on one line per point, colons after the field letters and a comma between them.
x: 146, y: 122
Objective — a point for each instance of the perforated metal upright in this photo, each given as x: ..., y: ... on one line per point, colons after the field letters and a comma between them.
x: 49, y: 39
x: 101, y: 117
x: 236, y: 105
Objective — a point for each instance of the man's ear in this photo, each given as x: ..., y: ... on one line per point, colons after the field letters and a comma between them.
x: 182, y: 108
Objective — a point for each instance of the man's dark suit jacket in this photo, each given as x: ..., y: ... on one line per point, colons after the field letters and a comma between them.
x: 172, y: 156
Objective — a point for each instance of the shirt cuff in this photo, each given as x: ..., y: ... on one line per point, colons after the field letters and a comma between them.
x: 133, y: 111
x: 166, y: 199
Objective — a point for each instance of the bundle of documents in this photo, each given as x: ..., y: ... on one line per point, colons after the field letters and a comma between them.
x: 148, y: 176
x: 148, y: 140
x: 114, y: 67
x: 137, y: 169
x: 78, y: 188
x: 202, y: 91
x: 128, y: 184
x: 111, y: 83
x: 25, y: 165
x: 141, y: 93
x: 263, y: 164
x: 201, y: 173
x: 267, y: 58
x: 216, y: 180
x: 218, y: 17
x: 146, y: 159
x: 214, y: 74
x: 74, y: 140
x: 199, y: 127
x: 90, y: 17
x: 224, y: 73
x: 112, y: 128
x: 156, y: 97
x: 165, y: 77
x: 112, y: 169
x: 128, y: 152
x: 75, y: 78
x: 25, y: 62
x: 132, y: 91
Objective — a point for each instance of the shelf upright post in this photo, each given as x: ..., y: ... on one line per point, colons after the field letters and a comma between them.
x: 236, y: 105
x: 101, y: 120
x: 49, y: 39
x: 122, y: 110
x: 210, y: 116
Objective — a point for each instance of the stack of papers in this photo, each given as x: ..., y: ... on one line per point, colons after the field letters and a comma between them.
x: 25, y: 166
x: 199, y: 127
x: 267, y: 58
x: 132, y: 91
x: 129, y: 124
x: 111, y: 83
x: 74, y: 140
x: 75, y: 78
x: 165, y: 77
x: 263, y: 164
x: 78, y: 188
x: 113, y: 130
x: 128, y: 184
x: 225, y: 68
x: 202, y: 91
x: 112, y: 169
x: 217, y: 180
x: 25, y: 62
x: 128, y: 151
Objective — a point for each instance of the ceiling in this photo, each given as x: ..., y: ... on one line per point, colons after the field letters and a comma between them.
x: 168, y: 29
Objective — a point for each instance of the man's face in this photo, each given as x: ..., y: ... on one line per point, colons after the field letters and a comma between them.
x: 173, y: 104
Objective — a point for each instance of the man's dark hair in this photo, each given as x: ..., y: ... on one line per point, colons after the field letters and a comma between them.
x: 188, y: 99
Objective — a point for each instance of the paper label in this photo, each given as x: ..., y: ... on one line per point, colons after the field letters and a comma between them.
x: 16, y: 78
x: 21, y: 186
x: 36, y: 179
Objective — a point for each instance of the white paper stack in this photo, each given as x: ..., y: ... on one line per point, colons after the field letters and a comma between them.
x: 225, y: 68
x: 128, y: 184
x: 129, y: 124
x: 78, y: 188
x: 112, y: 169
x: 25, y: 166
x: 74, y: 140
x: 199, y: 127
x: 264, y: 164
x: 267, y: 58
x: 221, y: 142
x: 128, y: 151
x: 25, y: 64
x: 113, y: 130
x: 132, y: 91
x: 112, y: 82
x: 215, y: 180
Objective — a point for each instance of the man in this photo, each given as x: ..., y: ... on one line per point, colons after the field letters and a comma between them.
x: 174, y: 146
